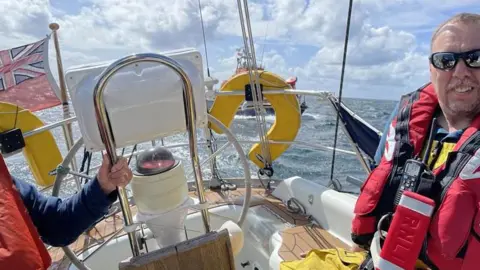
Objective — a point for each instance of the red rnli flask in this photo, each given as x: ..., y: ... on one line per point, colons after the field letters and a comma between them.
x: 407, y: 232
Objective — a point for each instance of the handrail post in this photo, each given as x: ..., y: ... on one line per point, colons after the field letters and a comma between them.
x: 108, y: 139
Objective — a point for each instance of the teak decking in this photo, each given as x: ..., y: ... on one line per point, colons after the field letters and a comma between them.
x: 296, y: 240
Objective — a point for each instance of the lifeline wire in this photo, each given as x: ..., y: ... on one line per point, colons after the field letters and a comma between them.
x: 341, y: 87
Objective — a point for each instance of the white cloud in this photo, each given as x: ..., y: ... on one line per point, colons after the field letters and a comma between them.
x: 388, y: 41
x: 273, y: 60
x: 23, y: 16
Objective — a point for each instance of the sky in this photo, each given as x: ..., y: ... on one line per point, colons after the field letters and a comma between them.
x: 388, y: 43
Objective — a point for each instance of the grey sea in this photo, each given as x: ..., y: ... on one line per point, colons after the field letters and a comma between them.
x: 318, y: 127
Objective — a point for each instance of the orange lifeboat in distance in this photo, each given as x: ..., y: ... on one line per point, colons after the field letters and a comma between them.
x: 292, y: 81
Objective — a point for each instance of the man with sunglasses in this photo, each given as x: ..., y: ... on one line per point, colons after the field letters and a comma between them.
x: 452, y: 97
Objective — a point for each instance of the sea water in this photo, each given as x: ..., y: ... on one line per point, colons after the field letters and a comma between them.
x: 318, y: 127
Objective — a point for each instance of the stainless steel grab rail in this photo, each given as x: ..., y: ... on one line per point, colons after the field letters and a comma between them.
x: 108, y: 139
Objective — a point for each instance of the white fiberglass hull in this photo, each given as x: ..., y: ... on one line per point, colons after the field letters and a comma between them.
x: 332, y: 210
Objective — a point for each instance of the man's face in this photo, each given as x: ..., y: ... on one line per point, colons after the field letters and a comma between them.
x: 458, y: 89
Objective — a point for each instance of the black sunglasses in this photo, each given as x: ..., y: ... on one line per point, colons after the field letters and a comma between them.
x: 448, y: 60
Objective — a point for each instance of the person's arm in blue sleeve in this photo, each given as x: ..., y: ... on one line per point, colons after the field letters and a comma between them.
x: 381, y: 144
x: 60, y: 222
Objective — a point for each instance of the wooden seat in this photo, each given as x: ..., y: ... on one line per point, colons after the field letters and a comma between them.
x: 211, y: 251
x: 302, y: 239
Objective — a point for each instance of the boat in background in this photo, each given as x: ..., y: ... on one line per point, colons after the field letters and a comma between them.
x: 247, y: 108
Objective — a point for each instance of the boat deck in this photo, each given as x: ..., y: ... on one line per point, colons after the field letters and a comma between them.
x: 300, y: 238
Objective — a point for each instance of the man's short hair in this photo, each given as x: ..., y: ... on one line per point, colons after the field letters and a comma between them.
x: 464, y: 17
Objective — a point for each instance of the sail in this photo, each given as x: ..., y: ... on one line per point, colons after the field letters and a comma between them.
x: 365, y: 136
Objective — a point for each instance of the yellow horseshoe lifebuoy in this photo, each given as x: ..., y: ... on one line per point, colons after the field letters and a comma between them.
x: 286, y: 107
x: 41, y: 151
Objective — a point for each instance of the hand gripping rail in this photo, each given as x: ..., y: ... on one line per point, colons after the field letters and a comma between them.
x: 108, y: 139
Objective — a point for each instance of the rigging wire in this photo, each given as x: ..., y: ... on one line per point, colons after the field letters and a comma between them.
x: 341, y: 87
x: 264, y: 44
x: 254, y: 83
x: 204, y: 39
x: 212, y: 139
x: 213, y: 145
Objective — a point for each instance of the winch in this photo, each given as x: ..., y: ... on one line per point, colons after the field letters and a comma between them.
x: 160, y: 191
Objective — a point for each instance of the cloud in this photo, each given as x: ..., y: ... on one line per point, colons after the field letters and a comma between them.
x: 388, y: 40
x: 24, y: 16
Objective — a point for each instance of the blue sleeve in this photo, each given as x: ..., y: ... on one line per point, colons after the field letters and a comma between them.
x: 381, y: 144
x: 60, y: 222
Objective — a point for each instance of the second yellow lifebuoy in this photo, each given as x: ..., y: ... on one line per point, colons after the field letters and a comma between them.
x: 286, y: 107
x: 41, y: 151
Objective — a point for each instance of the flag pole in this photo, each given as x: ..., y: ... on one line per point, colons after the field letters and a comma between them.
x: 67, y: 129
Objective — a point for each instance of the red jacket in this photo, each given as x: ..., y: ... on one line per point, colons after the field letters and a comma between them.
x: 20, y: 244
x: 453, y: 240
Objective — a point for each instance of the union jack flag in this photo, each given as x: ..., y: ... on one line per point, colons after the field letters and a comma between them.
x: 25, y: 77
